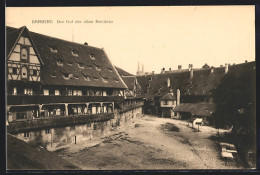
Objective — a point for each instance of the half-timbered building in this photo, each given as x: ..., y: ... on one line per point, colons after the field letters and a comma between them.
x: 48, y: 77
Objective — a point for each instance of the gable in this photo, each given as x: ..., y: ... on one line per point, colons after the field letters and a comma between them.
x: 23, y: 47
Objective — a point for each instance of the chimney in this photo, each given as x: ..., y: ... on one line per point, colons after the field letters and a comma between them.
x: 179, y: 67
x: 168, y: 82
x: 85, y: 43
x: 226, y: 68
x: 170, y: 69
x: 245, y: 61
x: 191, y: 71
x: 163, y: 70
x: 178, y: 96
x: 152, y: 72
x: 190, y: 66
x: 212, y: 70
x: 221, y: 65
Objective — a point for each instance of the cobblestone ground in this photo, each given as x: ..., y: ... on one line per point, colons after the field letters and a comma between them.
x: 150, y: 142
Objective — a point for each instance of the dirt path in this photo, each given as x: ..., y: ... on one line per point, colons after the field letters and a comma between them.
x: 150, y: 143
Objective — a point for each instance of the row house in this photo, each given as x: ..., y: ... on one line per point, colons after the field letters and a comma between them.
x: 48, y: 77
x: 194, y: 88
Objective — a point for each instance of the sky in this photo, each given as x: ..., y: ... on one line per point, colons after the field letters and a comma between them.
x: 157, y: 37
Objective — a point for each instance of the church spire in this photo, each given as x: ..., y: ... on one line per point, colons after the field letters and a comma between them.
x: 138, y: 69
x: 143, y: 68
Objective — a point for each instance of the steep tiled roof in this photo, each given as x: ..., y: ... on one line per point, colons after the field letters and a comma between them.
x: 69, y: 63
x: 122, y: 72
x: 169, y: 96
x: 199, y: 109
x: 203, y: 82
x: 130, y: 82
x: 12, y: 35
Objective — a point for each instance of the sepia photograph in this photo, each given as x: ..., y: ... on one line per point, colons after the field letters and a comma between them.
x: 130, y: 88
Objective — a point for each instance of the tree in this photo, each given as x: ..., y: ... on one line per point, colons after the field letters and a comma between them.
x: 235, y: 99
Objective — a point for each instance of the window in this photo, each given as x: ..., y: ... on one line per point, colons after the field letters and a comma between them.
x: 70, y: 63
x: 14, y: 91
x: 27, y: 134
x: 116, y: 80
x: 53, y: 75
x: 45, y: 91
x: 81, y: 65
x: 104, y: 93
x: 58, y: 111
x: 77, y: 92
x: 28, y: 91
x: 98, y: 68
x: 53, y: 49
x: 92, y: 56
x: 57, y: 92
x: 24, y: 72
x: 66, y: 76
x: 88, y: 125
x: 165, y: 102
x: 75, y: 53
x: 47, y: 131
x: 110, y: 69
x: 69, y: 92
x: 59, y: 62
x: 24, y: 54
x: 33, y: 72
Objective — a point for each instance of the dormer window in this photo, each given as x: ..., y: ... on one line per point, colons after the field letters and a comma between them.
x: 53, y: 49
x: 76, y: 77
x: 60, y: 62
x: 92, y: 56
x: 53, y: 75
x: 80, y: 65
x: 70, y: 76
x: 70, y: 63
x: 103, y: 78
x: 89, y: 66
x: 95, y: 78
x: 116, y: 80
x: 75, y: 53
x: 24, y: 54
x: 98, y: 68
x: 86, y: 77
x: 110, y: 69
x: 66, y: 76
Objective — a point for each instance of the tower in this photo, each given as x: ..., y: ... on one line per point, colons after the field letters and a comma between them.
x: 142, y: 68
x: 138, y: 69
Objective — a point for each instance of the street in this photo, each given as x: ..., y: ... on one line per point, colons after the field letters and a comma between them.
x: 149, y: 142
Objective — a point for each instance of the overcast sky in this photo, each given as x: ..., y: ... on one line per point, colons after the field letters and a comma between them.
x: 155, y: 36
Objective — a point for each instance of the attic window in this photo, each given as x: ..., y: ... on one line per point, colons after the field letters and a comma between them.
x: 53, y: 49
x: 53, y: 75
x: 92, y: 56
x: 103, y: 78
x: 75, y: 53
x: 89, y: 66
x: 116, y: 80
x: 80, y: 65
x: 70, y: 76
x: 60, y: 62
x: 86, y: 77
x: 98, y: 68
x: 66, y: 76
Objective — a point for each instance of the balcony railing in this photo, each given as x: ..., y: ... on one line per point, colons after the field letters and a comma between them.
x: 61, y: 121
x: 39, y: 99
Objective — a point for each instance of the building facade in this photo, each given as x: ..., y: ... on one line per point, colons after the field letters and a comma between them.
x: 49, y: 77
